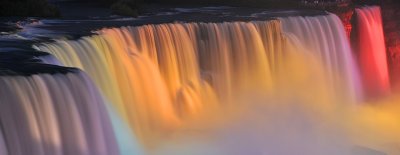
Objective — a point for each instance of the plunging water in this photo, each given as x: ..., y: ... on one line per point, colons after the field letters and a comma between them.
x: 371, y: 51
x: 158, y: 75
x: 53, y: 114
x: 323, y: 37
x: 278, y: 84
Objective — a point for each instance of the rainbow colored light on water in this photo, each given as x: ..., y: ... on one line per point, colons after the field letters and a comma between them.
x: 287, y: 86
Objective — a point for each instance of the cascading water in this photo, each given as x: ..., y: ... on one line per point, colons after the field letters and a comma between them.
x: 158, y: 76
x: 284, y: 86
x: 369, y: 45
x: 50, y: 59
x: 325, y: 38
x: 3, y: 147
x: 53, y: 114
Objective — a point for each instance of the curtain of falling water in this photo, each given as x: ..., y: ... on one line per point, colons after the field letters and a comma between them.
x: 53, y: 114
x: 50, y: 59
x: 325, y: 38
x: 157, y: 75
x: 3, y: 147
x: 126, y: 139
x: 371, y: 51
x: 153, y: 74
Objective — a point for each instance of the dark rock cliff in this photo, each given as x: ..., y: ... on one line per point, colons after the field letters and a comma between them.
x: 391, y: 27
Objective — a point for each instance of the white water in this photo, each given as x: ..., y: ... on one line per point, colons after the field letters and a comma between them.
x: 160, y: 76
x: 325, y: 38
x: 50, y: 59
x: 55, y: 115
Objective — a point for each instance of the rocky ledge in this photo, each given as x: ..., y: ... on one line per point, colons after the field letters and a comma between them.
x: 26, y: 63
x: 391, y: 27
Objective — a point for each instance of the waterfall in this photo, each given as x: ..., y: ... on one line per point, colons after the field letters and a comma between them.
x: 50, y: 59
x: 369, y: 45
x: 53, y: 114
x: 3, y: 147
x: 324, y: 37
x: 158, y: 76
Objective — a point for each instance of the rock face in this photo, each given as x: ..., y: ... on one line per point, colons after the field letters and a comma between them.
x: 346, y: 19
x: 27, y: 63
x: 391, y: 27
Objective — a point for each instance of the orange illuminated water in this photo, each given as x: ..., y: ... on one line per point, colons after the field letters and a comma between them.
x: 283, y: 86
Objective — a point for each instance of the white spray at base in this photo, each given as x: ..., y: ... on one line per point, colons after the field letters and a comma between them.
x: 276, y: 87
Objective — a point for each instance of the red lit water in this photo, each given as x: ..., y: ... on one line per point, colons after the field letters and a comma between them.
x: 371, y: 52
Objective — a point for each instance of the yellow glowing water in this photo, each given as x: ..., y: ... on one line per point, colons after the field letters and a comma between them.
x: 223, y: 88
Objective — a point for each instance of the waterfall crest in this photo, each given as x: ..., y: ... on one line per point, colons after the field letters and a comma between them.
x: 159, y: 75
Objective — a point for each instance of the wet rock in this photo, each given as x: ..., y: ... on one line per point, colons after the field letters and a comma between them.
x: 27, y: 63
